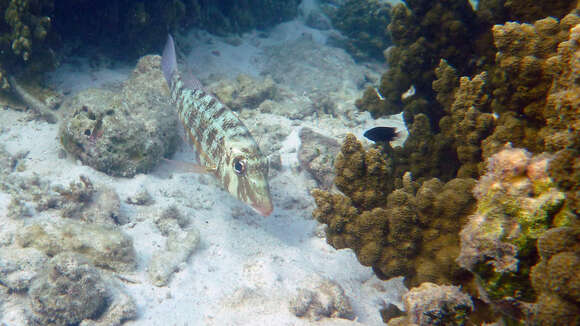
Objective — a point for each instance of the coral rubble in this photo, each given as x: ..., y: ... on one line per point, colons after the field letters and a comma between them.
x: 179, y: 246
x: 327, y: 299
x: 103, y: 245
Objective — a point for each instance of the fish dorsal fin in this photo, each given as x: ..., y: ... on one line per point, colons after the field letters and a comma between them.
x: 189, y: 80
x: 169, y: 60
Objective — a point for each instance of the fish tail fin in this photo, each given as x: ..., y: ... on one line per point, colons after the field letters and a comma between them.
x: 169, y: 60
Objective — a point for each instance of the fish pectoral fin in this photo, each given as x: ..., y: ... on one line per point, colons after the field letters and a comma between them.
x: 187, y: 167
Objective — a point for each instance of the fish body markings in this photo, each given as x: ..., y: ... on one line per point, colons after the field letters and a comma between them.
x: 224, y: 144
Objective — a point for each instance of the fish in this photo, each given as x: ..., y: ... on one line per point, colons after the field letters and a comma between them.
x: 224, y: 145
x: 382, y: 134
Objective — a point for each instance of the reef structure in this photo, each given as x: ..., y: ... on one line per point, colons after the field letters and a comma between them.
x: 527, y: 196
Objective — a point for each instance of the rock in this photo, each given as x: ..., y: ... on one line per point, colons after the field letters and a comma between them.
x: 245, y: 92
x: 71, y: 290
x: 103, y: 245
x: 391, y: 311
x: 432, y: 304
x: 327, y: 299
x: 316, y: 155
x: 19, y: 266
x: 123, y: 132
x: 318, y: 20
x: 121, y: 307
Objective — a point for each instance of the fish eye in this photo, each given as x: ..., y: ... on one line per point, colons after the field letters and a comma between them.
x: 239, y: 165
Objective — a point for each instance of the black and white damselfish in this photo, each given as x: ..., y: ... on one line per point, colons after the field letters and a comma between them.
x: 224, y: 144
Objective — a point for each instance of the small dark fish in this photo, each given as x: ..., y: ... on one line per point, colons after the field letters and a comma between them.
x: 382, y: 134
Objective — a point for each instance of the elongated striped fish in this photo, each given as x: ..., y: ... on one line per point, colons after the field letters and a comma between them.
x: 224, y: 144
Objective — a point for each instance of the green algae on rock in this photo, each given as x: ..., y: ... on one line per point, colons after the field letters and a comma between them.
x: 517, y: 203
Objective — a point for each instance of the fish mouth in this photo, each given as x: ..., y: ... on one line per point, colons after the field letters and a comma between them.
x: 264, y: 209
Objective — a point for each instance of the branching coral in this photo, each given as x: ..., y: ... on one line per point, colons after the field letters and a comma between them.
x: 526, y: 11
x: 412, y: 231
x: 521, y: 80
x: 423, y: 32
x: 528, y: 98
x: 29, y: 23
x: 556, y: 280
x: 464, y: 123
x: 363, y: 22
x: 361, y: 174
x: 426, y: 153
x: 136, y: 28
x: 562, y: 131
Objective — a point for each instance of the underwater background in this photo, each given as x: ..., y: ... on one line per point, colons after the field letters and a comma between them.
x: 464, y: 213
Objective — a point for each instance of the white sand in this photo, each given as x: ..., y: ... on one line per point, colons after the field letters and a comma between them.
x: 246, y: 267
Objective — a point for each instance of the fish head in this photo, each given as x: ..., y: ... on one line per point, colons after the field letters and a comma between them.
x: 246, y: 178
